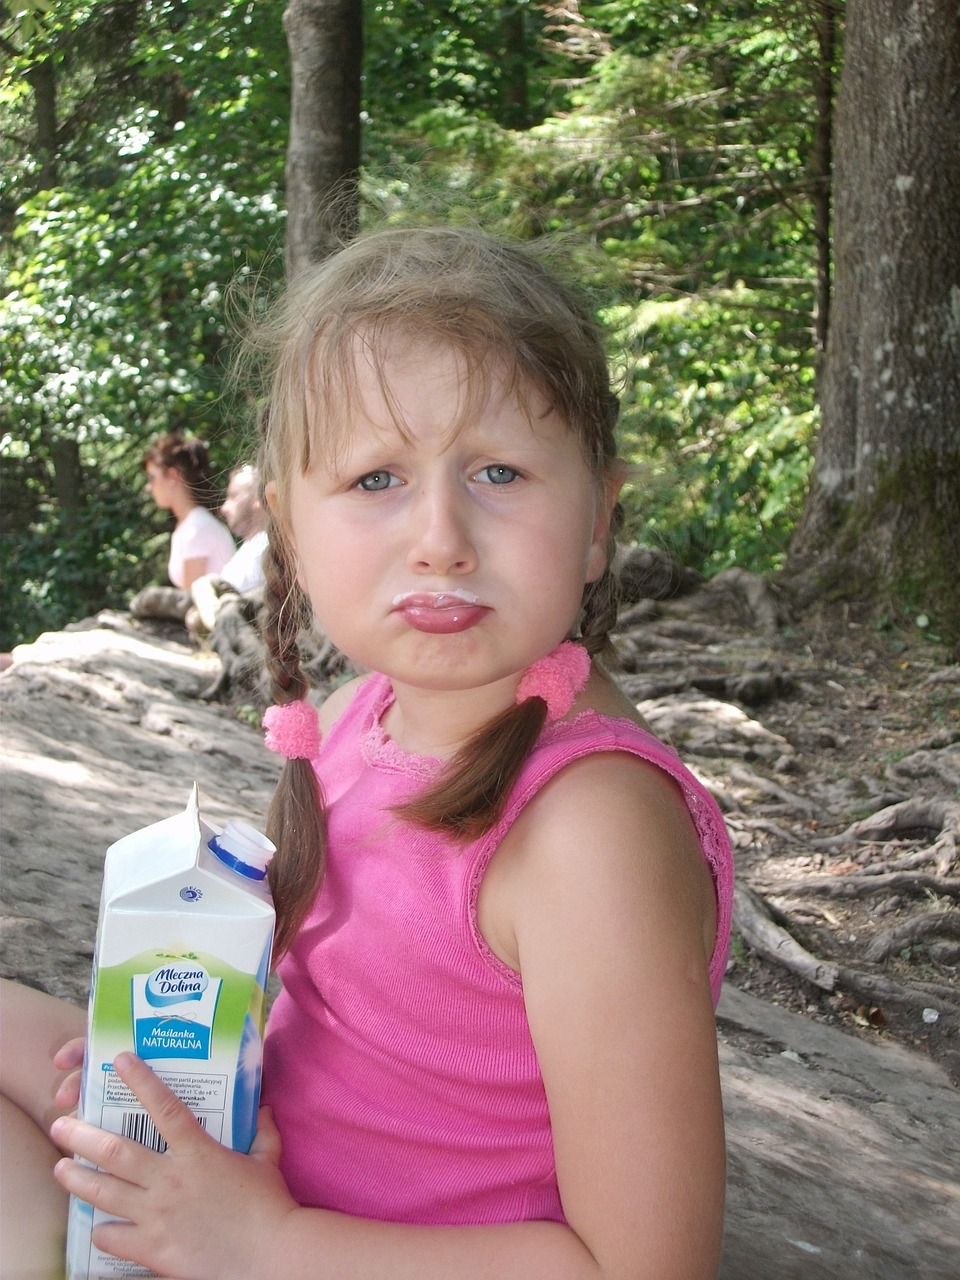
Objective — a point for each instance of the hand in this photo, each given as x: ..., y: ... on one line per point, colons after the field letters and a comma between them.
x: 198, y: 1211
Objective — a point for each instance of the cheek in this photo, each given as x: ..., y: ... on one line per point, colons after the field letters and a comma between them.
x: 328, y: 572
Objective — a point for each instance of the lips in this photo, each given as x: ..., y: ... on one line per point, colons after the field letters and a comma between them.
x: 440, y: 612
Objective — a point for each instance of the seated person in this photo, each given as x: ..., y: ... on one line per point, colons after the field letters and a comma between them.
x: 243, y: 511
x: 180, y: 480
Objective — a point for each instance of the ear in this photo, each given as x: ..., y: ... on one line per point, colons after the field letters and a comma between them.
x: 598, y: 557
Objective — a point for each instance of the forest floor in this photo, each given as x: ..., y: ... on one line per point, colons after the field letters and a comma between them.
x: 842, y: 796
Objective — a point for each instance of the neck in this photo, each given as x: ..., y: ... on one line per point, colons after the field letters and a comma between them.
x: 435, y: 722
x: 183, y: 503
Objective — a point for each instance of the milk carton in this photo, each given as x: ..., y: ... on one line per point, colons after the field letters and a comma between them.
x: 179, y: 977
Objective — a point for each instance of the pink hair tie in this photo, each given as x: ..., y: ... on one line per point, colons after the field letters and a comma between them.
x: 556, y: 678
x: 293, y: 730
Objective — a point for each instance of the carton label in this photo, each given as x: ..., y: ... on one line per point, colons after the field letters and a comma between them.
x: 161, y: 1029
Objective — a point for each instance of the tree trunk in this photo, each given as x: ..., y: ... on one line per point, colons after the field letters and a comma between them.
x: 514, y: 94
x: 821, y: 163
x: 43, y: 81
x: 325, y: 38
x: 67, y: 480
x: 883, y: 513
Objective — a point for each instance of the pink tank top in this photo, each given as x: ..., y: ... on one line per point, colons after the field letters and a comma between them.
x: 398, y: 1060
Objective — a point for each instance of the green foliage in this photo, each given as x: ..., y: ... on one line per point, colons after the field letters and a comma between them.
x: 679, y: 152
x: 111, y: 315
x: 723, y: 449
x: 668, y: 141
x: 63, y: 569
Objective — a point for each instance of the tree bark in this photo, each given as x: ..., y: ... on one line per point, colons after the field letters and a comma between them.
x: 515, y: 98
x: 821, y: 163
x: 43, y: 80
x: 883, y: 510
x: 67, y: 480
x: 325, y: 38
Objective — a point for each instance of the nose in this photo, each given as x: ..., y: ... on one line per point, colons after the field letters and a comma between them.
x: 442, y: 541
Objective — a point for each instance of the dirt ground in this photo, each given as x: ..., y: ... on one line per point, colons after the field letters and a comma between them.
x: 874, y: 721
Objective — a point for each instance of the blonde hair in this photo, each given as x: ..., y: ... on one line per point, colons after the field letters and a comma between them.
x: 501, y: 307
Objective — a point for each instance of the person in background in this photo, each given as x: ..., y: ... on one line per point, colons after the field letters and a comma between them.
x: 245, y: 514
x: 180, y: 480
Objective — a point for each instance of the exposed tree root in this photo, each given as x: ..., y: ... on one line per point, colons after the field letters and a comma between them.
x: 876, y: 988
x: 931, y: 924
x: 860, y: 886
x: 922, y: 813
x: 753, y: 921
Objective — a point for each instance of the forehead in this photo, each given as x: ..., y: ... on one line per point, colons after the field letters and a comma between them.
x: 240, y: 483
x: 400, y: 382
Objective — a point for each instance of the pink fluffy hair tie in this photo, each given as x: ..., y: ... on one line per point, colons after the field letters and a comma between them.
x: 293, y: 730
x: 557, y: 678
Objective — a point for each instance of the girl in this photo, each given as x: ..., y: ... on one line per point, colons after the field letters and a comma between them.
x: 180, y: 480
x: 504, y: 906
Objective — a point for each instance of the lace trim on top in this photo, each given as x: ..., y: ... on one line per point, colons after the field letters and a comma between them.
x: 380, y: 750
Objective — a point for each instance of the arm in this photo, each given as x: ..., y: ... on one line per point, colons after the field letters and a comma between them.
x: 206, y: 593
x: 614, y: 929
x: 609, y: 911
x: 192, y: 570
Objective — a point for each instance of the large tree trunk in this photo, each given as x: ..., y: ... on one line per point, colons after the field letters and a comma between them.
x: 323, y: 153
x: 821, y: 164
x: 883, y: 513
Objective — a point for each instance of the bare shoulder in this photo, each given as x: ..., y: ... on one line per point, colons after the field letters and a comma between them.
x: 610, y: 829
x: 616, y: 815
x: 336, y: 703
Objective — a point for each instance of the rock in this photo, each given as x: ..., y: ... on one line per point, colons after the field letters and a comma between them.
x: 843, y: 1156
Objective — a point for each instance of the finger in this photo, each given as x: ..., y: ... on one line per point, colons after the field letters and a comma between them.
x: 70, y: 1056
x: 114, y: 1196
x: 174, y: 1120
x: 266, y: 1145
x: 67, y: 1096
x: 116, y: 1155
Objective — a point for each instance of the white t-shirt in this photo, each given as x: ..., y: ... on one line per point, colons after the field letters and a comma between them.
x: 199, y: 536
x: 244, y: 570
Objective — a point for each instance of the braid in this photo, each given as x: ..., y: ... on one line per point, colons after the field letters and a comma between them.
x: 601, y: 599
x: 295, y: 820
x: 470, y: 795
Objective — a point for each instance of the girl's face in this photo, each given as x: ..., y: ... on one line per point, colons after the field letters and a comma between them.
x: 163, y: 484
x: 454, y: 552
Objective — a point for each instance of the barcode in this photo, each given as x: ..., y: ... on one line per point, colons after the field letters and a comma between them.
x: 138, y: 1126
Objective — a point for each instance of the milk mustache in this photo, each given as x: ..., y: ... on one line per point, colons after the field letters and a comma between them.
x: 179, y: 977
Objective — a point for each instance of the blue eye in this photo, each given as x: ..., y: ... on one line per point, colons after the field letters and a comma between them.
x: 498, y: 473
x: 375, y: 481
